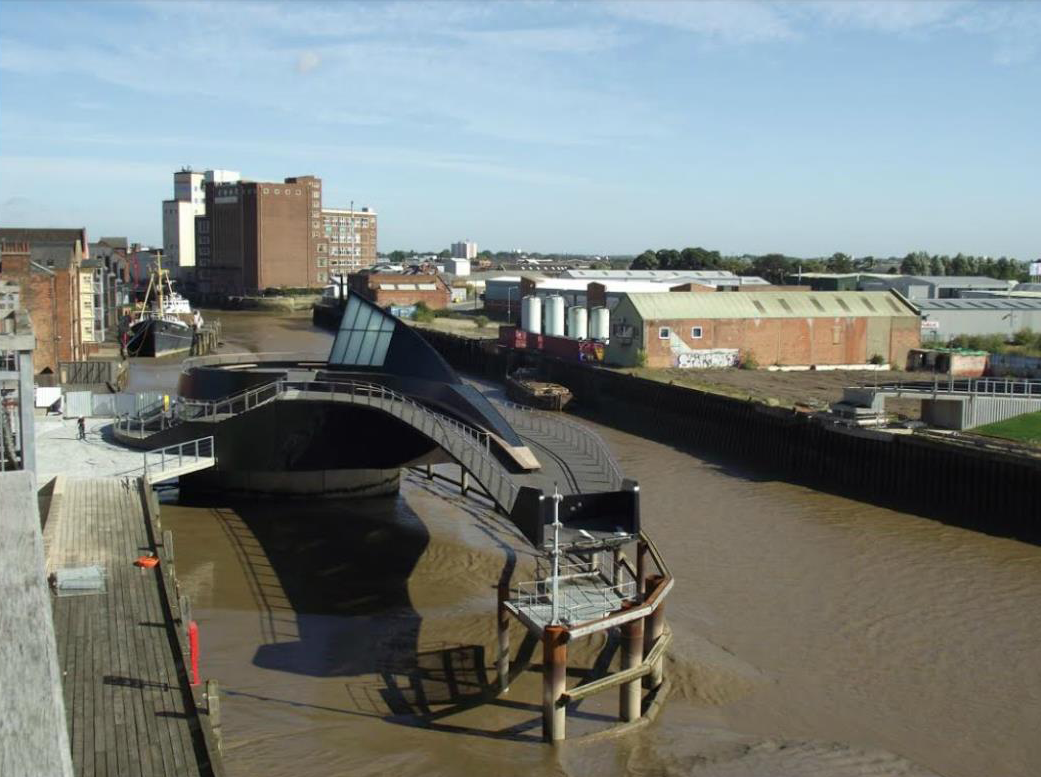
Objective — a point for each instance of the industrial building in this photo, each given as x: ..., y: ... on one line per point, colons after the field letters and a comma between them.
x: 255, y: 235
x: 943, y: 319
x: 179, y: 214
x: 387, y: 289
x: 919, y: 287
x: 54, y: 288
x: 683, y: 329
x: 603, y: 288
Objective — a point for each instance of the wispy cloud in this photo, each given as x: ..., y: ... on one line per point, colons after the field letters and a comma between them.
x: 729, y: 22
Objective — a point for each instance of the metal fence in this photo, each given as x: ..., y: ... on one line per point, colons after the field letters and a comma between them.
x: 163, y: 460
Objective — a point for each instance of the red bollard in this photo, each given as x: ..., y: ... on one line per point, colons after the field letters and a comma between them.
x: 193, y: 649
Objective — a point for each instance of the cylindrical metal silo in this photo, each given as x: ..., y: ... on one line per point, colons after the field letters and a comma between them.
x: 577, y: 323
x: 600, y: 323
x: 531, y: 314
x: 555, y: 316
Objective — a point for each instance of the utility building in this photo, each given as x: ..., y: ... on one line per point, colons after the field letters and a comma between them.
x: 684, y: 329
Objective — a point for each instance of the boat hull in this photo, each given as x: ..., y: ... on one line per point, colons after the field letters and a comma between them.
x: 158, y: 337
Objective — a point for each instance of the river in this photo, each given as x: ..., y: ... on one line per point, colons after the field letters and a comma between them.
x: 813, y: 635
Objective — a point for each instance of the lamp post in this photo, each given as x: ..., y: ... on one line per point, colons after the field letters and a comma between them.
x: 509, y: 307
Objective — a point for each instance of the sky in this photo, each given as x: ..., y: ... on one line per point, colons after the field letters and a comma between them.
x: 583, y: 127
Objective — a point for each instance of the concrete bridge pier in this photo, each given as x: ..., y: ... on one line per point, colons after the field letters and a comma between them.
x: 653, y: 628
x: 630, y: 693
x: 502, y: 661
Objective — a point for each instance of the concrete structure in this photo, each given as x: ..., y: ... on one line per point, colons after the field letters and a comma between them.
x: 682, y: 329
x: 952, y: 403
x: 827, y: 281
x: 458, y: 267
x: 17, y: 433
x: 464, y: 249
x: 45, y: 263
x: 943, y: 319
x: 35, y: 737
x: 397, y: 289
x: 179, y: 214
x: 351, y: 238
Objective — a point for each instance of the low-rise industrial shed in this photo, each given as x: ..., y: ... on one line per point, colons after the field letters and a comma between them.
x: 681, y: 329
x: 943, y: 319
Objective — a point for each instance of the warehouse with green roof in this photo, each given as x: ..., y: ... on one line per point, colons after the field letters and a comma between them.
x: 785, y: 328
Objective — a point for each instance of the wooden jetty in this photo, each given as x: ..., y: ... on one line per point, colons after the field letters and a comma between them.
x: 123, y: 652
x: 206, y: 338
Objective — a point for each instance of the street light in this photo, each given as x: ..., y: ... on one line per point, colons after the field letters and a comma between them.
x: 509, y: 308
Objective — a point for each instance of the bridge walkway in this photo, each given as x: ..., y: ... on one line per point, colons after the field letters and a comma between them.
x: 129, y: 704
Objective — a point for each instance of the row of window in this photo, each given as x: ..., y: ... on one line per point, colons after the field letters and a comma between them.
x: 267, y: 190
x: 664, y: 332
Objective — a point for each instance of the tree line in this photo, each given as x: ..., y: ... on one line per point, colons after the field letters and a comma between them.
x: 777, y: 268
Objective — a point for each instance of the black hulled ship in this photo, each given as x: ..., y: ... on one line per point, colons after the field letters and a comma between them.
x: 165, y: 323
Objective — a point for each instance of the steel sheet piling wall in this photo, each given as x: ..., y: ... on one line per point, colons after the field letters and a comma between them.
x: 981, y: 489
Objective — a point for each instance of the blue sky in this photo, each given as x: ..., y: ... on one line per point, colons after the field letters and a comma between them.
x: 866, y: 127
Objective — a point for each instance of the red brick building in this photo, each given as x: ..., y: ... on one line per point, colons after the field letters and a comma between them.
x: 684, y: 329
x: 54, y: 288
x: 258, y: 235
x: 398, y: 289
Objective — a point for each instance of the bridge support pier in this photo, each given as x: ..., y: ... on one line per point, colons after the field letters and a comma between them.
x: 630, y: 693
x: 554, y: 681
x: 464, y: 479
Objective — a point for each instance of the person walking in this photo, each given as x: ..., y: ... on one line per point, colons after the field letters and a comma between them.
x: 81, y: 424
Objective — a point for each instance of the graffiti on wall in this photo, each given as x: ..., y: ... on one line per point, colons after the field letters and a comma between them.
x: 707, y: 358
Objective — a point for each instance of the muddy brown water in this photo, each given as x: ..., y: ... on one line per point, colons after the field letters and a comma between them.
x: 813, y: 635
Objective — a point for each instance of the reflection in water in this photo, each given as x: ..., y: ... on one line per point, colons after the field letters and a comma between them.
x: 813, y: 634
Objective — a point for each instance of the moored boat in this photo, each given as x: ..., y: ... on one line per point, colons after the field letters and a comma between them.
x: 165, y: 323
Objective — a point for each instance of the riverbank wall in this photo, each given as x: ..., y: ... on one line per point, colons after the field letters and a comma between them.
x: 986, y: 490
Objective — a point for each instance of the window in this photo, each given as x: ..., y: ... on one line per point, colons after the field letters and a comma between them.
x: 663, y: 333
x: 867, y: 302
x: 321, y: 277
x: 842, y: 304
x: 321, y: 248
x: 297, y: 192
x: 268, y: 191
x: 759, y: 306
x: 364, y: 336
x: 817, y: 304
x: 320, y: 261
x: 278, y: 191
x: 695, y: 332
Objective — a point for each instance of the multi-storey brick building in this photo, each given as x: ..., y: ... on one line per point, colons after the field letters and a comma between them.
x: 54, y: 288
x: 179, y: 216
x: 257, y: 235
x: 351, y: 235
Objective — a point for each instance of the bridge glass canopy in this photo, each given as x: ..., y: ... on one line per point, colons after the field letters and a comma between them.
x: 364, y: 335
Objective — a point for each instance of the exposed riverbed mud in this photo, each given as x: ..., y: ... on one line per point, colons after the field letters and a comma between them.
x: 813, y: 635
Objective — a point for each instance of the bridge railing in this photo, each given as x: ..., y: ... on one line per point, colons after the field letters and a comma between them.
x: 158, y: 461
x: 468, y: 445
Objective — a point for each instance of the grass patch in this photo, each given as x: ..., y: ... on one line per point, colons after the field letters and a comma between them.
x: 1023, y: 428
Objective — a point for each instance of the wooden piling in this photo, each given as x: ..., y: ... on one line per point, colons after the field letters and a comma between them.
x: 632, y: 656
x: 653, y: 628
x: 641, y: 569
x: 464, y: 479
x: 554, y: 682
x: 213, y: 711
x: 502, y: 662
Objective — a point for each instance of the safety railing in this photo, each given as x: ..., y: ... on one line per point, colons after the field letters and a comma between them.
x: 577, y: 435
x: 997, y: 387
x: 577, y: 602
x: 161, y: 460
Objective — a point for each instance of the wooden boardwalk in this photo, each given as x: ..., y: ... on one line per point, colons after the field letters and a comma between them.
x: 130, y: 708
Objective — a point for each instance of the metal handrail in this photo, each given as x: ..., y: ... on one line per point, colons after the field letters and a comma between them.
x: 588, y: 441
x: 194, y: 450
x: 978, y: 386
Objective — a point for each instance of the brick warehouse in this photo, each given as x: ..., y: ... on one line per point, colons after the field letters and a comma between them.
x: 396, y: 289
x: 683, y: 329
x: 54, y: 288
x: 257, y: 235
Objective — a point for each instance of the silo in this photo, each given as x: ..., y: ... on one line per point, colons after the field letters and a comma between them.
x: 577, y: 323
x: 531, y: 314
x: 600, y: 323
x: 555, y: 316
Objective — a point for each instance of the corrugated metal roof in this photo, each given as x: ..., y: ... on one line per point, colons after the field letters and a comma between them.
x: 978, y: 303
x: 774, y: 304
